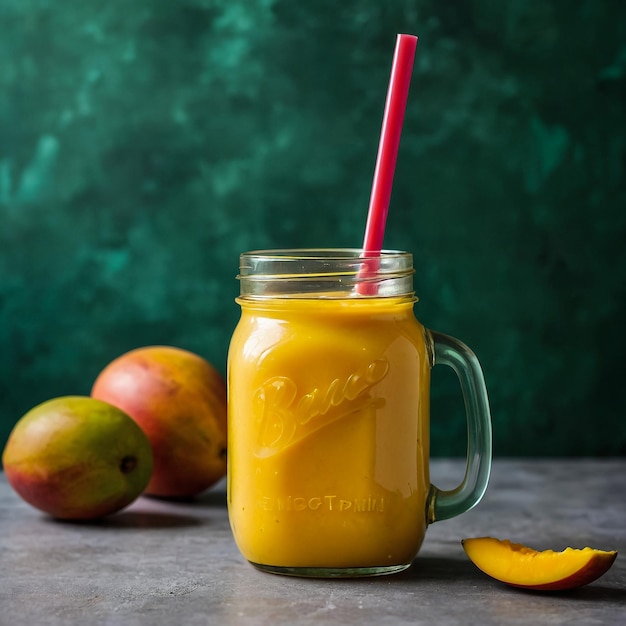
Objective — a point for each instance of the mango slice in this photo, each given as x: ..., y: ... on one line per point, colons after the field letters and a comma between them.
x: 519, y: 566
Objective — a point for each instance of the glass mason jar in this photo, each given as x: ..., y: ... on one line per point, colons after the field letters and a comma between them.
x: 328, y: 400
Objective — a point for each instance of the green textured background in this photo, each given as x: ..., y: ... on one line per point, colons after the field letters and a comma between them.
x: 144, y: 145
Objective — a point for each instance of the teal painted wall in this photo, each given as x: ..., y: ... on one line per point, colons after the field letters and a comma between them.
x: 144, y: 145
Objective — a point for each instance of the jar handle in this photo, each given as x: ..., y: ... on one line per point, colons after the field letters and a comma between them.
x: 444, y: 504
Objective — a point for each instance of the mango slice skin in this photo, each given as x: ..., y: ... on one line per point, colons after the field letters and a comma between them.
x: 520, y: 566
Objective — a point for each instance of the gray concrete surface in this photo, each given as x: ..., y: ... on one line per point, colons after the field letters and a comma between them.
x: 176, y: 563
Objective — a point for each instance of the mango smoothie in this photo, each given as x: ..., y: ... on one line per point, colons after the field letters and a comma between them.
x: 328, y: 432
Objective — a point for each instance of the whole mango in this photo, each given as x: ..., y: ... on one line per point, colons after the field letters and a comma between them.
x: 77, y: 458
x: 179, y: 400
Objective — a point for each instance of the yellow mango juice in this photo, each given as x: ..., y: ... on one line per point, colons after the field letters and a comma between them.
x: 328, y: 432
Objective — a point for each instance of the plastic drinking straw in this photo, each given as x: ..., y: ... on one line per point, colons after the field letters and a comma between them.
x: 395, y: 106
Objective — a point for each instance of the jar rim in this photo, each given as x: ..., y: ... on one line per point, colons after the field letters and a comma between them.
x: 324, y: 254
x: 333, y: 272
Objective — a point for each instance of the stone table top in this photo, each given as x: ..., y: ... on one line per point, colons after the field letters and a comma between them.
x: 161, y: 562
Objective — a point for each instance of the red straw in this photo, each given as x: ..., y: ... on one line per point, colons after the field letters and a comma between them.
x: 395, y: 106
x: 393, y: 118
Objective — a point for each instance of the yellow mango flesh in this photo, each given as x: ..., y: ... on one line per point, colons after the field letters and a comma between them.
x: 520, y: 566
